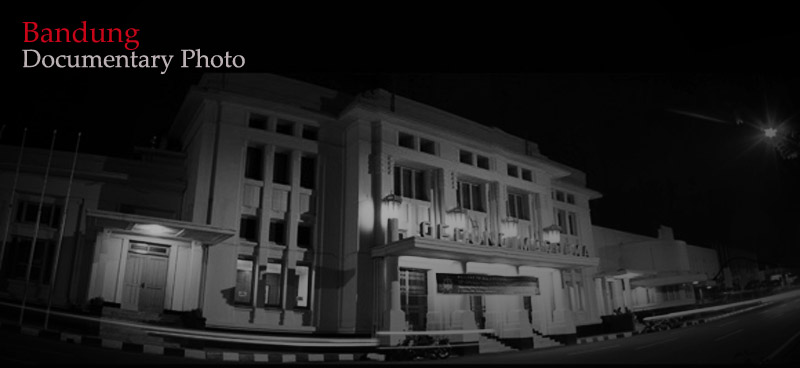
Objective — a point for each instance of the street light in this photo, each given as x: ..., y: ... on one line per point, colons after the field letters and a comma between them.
x: 770, y: 132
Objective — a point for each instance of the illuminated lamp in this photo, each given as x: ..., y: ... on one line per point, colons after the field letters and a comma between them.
x: 155, y: 229
x: 552, y: 234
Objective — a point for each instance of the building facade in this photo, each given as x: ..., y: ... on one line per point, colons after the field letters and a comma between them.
x: 296, y: 208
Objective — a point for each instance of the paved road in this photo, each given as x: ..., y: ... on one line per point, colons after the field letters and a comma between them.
x: 771, y: 333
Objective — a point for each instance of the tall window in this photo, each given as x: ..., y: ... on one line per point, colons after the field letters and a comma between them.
x: 280, y: 169
x: 254, y: 163
x: 299, y: 283
x: 244, y: 280
x: 277, y: 231
x: 561, y: 220
x: 470, y: 196
x: 18, y: 250
x: 572, y: 223
x: 414, y: 297
x: 248, y: 228
x: 518, y: 207
x: 270, y: 276
x: 27, y: 212
x: 410, y: 183
x: 308, y: 170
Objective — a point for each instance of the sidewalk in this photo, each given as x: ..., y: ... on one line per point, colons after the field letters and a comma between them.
x: 756, y: 303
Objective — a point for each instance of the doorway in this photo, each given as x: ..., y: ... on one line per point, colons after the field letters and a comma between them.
x: 145, y: 277
x: 478, y: 306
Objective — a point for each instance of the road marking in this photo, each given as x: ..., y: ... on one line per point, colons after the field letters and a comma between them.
x: 777, y: 315
x: 728, y: 335
x: 655, y: 343
x: 776, y: 352
x: 594, y: 350
x: 728, y: 323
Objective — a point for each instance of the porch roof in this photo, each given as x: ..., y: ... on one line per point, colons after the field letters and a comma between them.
x: 159, y: 227
x: 444, y: 249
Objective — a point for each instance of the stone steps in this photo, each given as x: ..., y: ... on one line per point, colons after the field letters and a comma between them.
x: 488, y: 345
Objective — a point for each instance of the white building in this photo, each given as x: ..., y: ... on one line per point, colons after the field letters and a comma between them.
x: 302, y: 209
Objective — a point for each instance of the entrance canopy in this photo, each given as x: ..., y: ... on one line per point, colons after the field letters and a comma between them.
x: 444, y: 249
x: 159, y: 227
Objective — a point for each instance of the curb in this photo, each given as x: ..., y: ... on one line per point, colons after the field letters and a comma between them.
x: 222, y: 356
x: 589, y: 340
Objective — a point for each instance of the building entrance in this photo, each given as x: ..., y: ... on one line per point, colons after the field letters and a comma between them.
x: 478, y: 306
x: 145, y: 277
x: 414, y: 297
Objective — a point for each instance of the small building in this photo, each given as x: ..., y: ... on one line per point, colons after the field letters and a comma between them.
x: 639, y: 272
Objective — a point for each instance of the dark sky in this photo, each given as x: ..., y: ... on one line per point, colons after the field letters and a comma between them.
x: 596, y: 88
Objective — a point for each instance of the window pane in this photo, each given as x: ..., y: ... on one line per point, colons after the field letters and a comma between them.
x: 419, y: 186
x: 254, y: 164
x: 407, y: 183
x: 258, y: 121
x: 513, y: 171
x: 526, y: 175
x: 512, y: 206
x: 285, y: 127
x: 248, y: 228
x: 308, y: 170
x: 405, y: 140
x: 277, y: 231
x: 477, y: 198
x: 310, y: 132
x: 465, y: 157
x: 244, y: 279
x: 465, y: 196
x: 483, y: 162
x: 280, y: 172
x: 270, y: 279
x: 427, y: 146
x: 304, y: 235
x: 397, y: 181
x: 299, y: 281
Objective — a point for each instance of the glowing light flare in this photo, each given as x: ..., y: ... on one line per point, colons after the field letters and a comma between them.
x: 770, y: 132
x: 155, y: 229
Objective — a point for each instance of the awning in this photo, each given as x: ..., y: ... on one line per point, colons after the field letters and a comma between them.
x: 445, y: 249
x: 669, y: 280
x: 158, y: 227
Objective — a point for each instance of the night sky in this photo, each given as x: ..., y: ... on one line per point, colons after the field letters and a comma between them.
x: 644, y: 99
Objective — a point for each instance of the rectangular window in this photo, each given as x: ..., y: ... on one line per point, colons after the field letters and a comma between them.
x: 405, y: 140
x: 572, y: 221
x: 299, y: 282
x: 269, y: 277
x: 527, y: 175
x: 560, y: 196
x: 15, y: 261
x: 513, y: 171
x: 470, y: 196
x: 258, y: 121
x: 285, y: 127
x: 280, y: 169
x: 244, y: 280
x: 248, y: 228
x: 410, y: 183
x: 310, y: 132
x: 277, y: 231
x: 254, y: 163
x: 561, y: 220
x: 518, y: 206
x: 483, y: 162
x: 465, y: 157
x: 305, y: 234
x: 308, y: 170
x: 28, y: 210
x: 427, y: 146
x: 414, y: 297
x: 570, y: 198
